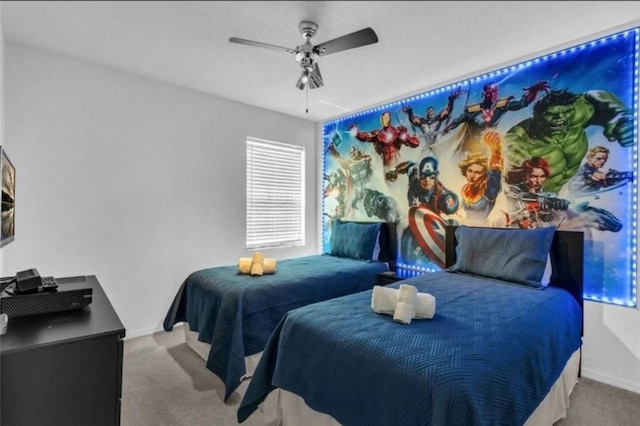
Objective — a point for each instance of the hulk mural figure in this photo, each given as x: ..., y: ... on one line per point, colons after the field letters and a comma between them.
x: 557, y: 131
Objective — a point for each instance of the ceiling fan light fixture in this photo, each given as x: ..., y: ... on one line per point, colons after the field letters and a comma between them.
x: 315, y: 81
x: 307, y: 54
x: 312, y: 78
x: 303, y: 80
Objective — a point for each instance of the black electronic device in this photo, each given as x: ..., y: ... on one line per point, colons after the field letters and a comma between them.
x: 30, y: 281
x: 5, y: 282
x: 49, y: 284
x: 49, y: 297
x: 27, y: 281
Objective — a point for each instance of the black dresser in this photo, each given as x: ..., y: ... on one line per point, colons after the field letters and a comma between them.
x: 63, y: 368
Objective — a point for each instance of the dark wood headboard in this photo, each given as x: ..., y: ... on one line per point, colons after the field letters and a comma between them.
x: 389, y: 244
x: 567, y: 260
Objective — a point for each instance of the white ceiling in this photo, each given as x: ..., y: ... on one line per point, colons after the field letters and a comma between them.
x: 422, y: 45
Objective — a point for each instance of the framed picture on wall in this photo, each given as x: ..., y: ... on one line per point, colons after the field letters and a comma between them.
x: 8, y: 198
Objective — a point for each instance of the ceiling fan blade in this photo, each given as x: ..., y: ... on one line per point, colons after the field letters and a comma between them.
x: 315, y: 78
x: 259, y: 44
x: 356, y: 39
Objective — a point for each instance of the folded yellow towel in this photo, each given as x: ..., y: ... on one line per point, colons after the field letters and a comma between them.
x: 244, y: 265
x: 257, y: 263
x: 269, y: 266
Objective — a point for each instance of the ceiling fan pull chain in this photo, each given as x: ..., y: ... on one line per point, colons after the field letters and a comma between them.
x: 307, y: 99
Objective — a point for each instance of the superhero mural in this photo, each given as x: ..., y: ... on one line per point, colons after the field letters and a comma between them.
x: 549, y: 142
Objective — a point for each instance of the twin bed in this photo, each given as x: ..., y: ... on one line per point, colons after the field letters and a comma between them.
x: 502, y: 348
x: 228, y: 317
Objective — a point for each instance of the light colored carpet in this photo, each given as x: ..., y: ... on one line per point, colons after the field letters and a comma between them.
x: 166, y: 384
x: 594, y: 403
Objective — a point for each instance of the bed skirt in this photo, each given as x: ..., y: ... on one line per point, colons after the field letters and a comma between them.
x: 202, y: 349
x: 288, y: 409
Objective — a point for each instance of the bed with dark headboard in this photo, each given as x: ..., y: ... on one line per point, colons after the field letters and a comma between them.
x: 566, y: 255
x: 502, y: 348
x: 228, y: 317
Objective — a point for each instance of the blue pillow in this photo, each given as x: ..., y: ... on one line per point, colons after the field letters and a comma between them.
x: 354, y: 240
x: 514, y: 255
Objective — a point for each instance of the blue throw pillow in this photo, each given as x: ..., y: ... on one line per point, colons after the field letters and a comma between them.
x: 354, y: 240
x: 514, y: 255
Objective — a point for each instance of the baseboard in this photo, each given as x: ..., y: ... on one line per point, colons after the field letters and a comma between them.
x: 610, y: 380
x: 132, y: 334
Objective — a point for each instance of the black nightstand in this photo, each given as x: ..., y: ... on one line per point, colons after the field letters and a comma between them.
x: 387, y: 277
x: 390, y: 277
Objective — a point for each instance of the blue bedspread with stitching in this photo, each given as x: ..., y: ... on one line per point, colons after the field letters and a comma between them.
x: 488, y: 357
x: 237, y: 313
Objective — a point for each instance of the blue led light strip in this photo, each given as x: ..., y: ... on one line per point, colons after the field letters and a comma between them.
x: 629, y: 298
x: 634, y: 207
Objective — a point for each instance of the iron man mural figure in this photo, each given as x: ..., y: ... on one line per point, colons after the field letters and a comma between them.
x: 388, y: 140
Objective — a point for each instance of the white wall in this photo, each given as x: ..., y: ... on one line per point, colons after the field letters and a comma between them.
x: 132, y: 180
x: 611, y: 351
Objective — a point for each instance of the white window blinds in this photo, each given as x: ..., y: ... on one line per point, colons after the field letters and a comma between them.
x: 275, y: 194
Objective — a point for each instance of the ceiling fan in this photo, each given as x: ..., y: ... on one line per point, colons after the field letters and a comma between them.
x: 307, y: 54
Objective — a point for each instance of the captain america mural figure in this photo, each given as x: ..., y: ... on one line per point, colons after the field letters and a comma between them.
x: 429, y: 200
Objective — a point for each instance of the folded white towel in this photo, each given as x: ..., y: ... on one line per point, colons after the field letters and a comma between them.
x: 383, y: 299
x: 425, y: 306
x: 406, y: 306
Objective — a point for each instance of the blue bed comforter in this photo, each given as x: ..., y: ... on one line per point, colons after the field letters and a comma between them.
x: 488, y: 357
x: 237, y: 313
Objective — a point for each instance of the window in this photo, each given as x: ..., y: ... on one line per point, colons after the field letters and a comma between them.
x: 275, y: 194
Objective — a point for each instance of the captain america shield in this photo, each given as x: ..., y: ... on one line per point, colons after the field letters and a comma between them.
x: 429, y: 231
